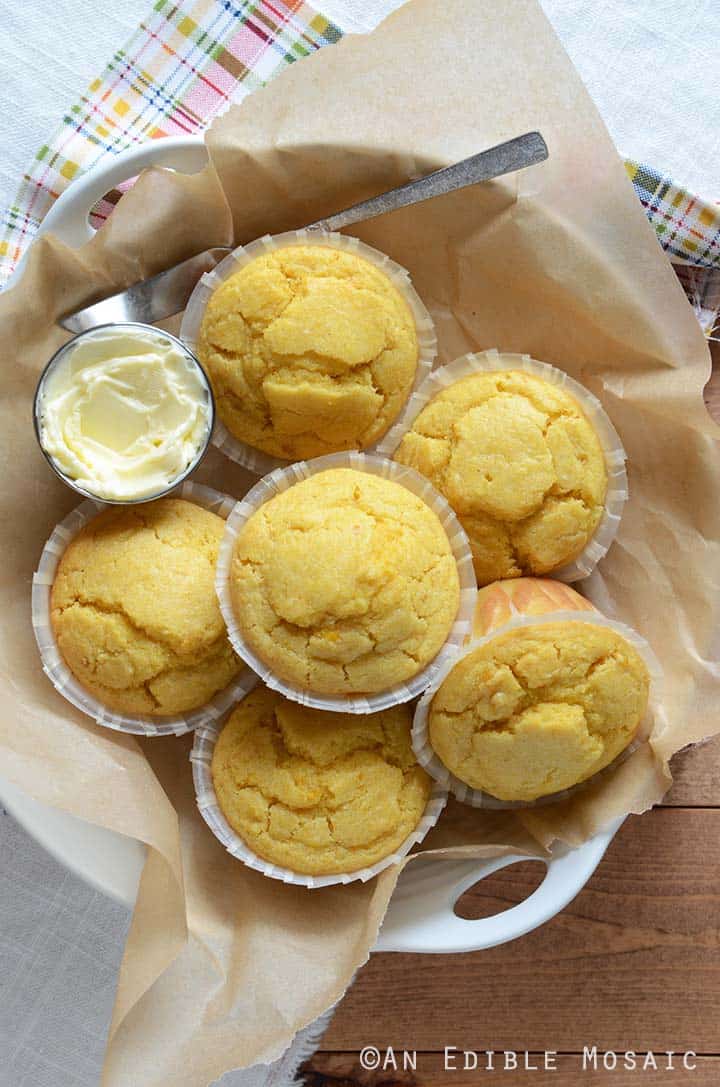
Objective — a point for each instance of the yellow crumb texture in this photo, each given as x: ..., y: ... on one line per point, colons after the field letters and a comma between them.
x: 539, y: 709
x: 319, y: 793
x: 520, y: 464
x: 134, y: 609
x: 310, y: 350
x: 345, y: 583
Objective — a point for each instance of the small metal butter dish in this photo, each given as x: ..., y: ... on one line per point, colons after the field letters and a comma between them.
x: 103, y: 371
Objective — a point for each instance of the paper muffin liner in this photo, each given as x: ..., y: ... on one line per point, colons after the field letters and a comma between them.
x: 281, y: 480
x: 615, y: 456
x: 246, y: 455
x: 201, y: 755
x: 55, y: 667
x: 476, y: 798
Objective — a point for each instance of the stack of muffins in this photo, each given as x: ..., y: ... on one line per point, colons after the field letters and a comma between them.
x: 347, y: 582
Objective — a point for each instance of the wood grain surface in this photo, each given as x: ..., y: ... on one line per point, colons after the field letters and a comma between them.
x: 344, y: 1070
x: 632, y: 964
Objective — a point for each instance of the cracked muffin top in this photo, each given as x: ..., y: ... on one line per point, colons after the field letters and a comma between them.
x: 520, y: 464
x: 134, y: 609
x: 344, y: 584
x: 310, y: 350
x: 319, y: 793
x: 539, y: 708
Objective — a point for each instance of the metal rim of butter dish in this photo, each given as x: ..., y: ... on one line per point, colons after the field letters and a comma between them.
x: 202, y: 448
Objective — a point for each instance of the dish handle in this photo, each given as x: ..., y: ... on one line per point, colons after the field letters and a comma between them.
x: 422, y: 917
x: 68, y: 218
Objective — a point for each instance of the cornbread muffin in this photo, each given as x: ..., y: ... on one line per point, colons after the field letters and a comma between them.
x: 539, y: 708
x: 319, y: 793
x: 520, y: 464
x: 134, y: 610
x: 310, y: 350
x: 344, y: 584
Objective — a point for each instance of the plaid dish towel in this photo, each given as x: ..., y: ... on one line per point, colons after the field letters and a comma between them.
x: 689, y: 231
x: 188, y: 61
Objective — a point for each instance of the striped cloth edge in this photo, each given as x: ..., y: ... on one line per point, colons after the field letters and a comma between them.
x: 188, y: 61
x: 184, y: 64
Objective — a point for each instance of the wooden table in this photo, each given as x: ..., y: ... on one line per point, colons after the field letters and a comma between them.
x: 632, y: 964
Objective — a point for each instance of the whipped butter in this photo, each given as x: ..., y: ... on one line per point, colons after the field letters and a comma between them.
x: 124, y: 411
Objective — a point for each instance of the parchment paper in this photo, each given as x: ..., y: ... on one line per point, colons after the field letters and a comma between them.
x: 223, y: 966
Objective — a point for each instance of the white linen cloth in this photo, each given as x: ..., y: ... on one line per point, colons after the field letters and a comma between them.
x: 60, y: 941
x: 660, y: 52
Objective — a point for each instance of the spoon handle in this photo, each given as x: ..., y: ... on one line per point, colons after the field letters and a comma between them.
x: 168, y: 293
x: 504, y: 158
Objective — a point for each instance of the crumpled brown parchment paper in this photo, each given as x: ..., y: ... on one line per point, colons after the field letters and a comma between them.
x: 223, y: 966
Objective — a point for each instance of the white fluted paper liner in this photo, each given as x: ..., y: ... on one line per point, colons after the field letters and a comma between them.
x: 279, y: 481
x: 58, y: 672
x: 204, y: 742
x: 476, y: 798
x: 246, y: 455
x: 615, y: 456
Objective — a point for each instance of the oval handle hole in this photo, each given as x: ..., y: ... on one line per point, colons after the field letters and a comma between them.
x: 103, y: 208
x: 500, y: 891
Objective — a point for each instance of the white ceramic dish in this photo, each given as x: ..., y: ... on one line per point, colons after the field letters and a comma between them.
x: 421, y: 917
